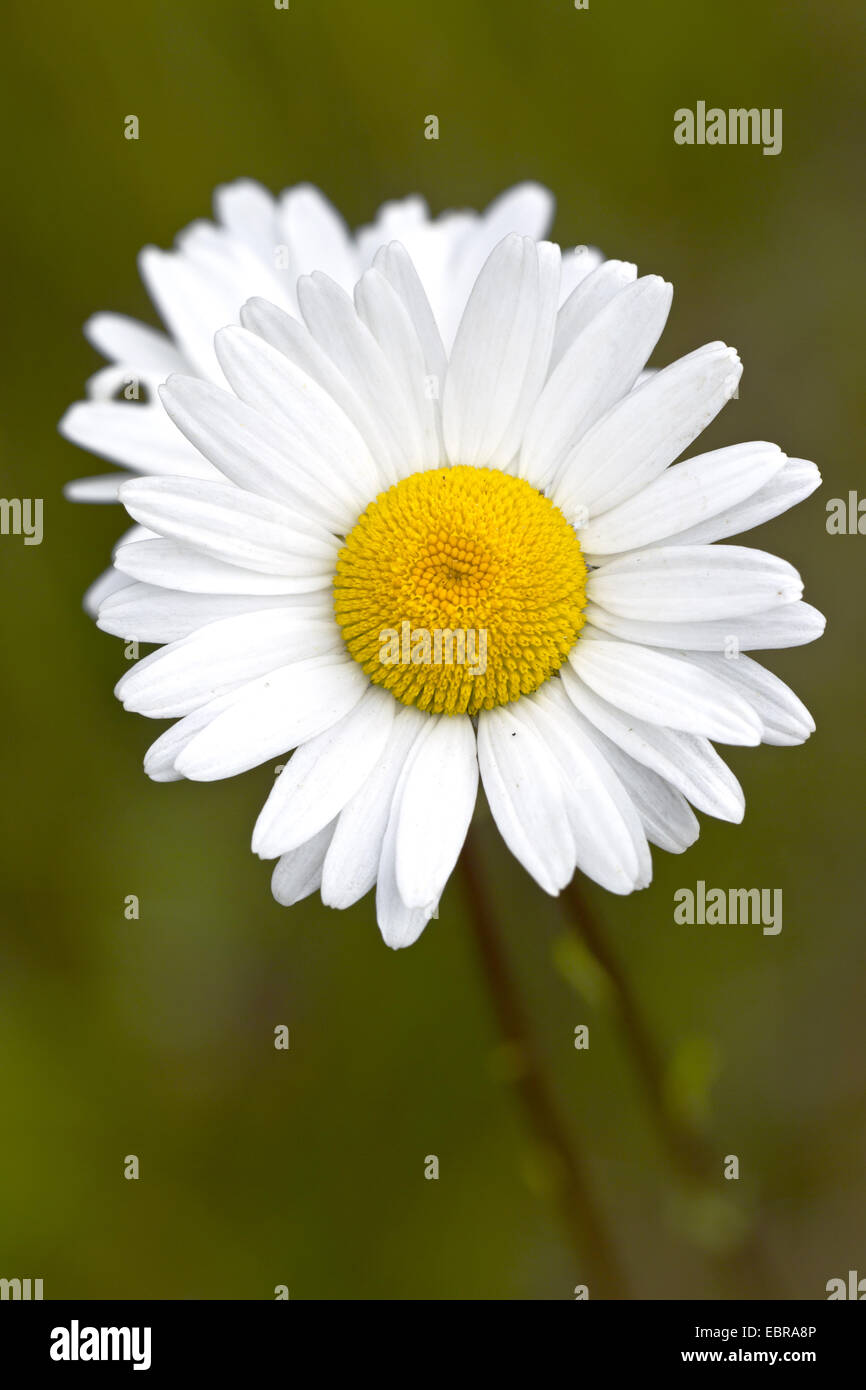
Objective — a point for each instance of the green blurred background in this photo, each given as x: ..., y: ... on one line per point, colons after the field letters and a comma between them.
x: 155, y: 1037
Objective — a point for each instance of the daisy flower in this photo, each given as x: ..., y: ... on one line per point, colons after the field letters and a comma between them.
x: 261, y: 245
x: 519, y: 486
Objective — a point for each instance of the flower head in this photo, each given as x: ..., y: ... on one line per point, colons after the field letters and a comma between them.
x: 261, y: 245
x: 361, y: 484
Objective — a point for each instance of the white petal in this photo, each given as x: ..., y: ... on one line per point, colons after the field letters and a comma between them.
x: 225, y: 653
x: 332, y: 320
x: 401, y: 859
x: 295, y: 341
x: 396, y: 220
x: 446, y: 256
x: 436, y: 804
x: 147, y: 613
x: 299, y: 873
x: 588, y: 298
x: 690, y: 764
x: 141, y: 437
x: 98, y: 489
x: 578, y: 263
x: 317, y: 236
x: 636, y: 440
x: 235, y: 526
x: 308, y: 471
x: 191, y: 303
x: 506, y: 330
x: 433, y: 245
x: 698, y: 583
x: 610, y: 845
x: 381, y: 309
x: 105, y: 384
x: 230, y: 270
x: 248, y: 211
x: 690, y: 494
x: 274, y: 714
x: 323, y: 776
x: 109, y: 582
x: 600, y: 366
x: 353, y: 859
x: 396, y: 265
x: 784, y: 717
x: 789, y: 626
x: 400, y: 925
x: 464, y: 241
x: 133, y: 535
x: 664, y: 690
x: 174, y: 566
x: 143, y: 349
x: 320, y: 436
x: 666, y: 816
x: 527, y: 208
x: 792, y: 484
x: 161, y: 756
x: 526, y: 399
x: 523, y: 785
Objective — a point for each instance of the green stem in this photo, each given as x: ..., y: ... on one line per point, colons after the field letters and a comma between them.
x: 693, y: 1158
x: 585, y: 1226
x: 689, y: 1152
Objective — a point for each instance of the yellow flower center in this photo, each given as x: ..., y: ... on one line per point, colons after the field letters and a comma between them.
x: 460, y: 589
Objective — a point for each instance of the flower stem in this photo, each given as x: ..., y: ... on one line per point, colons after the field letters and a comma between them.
x: 687, y: 1149
x: 585, y: 1225
x: 692, y: 1156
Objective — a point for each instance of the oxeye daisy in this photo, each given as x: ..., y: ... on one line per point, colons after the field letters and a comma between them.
x: 377, y: 489
x: 261, y: 245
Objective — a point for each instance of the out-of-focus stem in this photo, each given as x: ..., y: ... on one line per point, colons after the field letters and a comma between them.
x: 585, y: 1225
x: 688, y: 1150
x: 692, y: 1156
